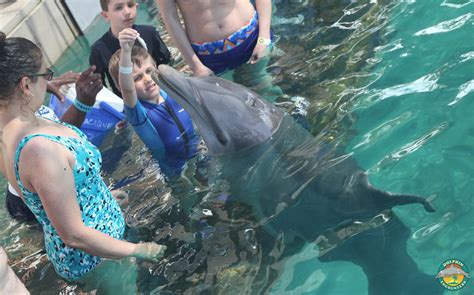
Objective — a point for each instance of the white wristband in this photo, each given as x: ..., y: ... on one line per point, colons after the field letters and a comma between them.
x: 125, y: 70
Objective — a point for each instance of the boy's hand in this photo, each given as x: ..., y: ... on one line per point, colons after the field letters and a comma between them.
x: 202, y: 71
x: 259, y: 52
x: 127, y: 38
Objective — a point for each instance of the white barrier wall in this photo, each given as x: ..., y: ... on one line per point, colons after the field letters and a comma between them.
x: 84, y: 11
x: 45, y: 22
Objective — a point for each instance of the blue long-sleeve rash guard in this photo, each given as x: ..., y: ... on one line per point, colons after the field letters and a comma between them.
x: 167, y: 130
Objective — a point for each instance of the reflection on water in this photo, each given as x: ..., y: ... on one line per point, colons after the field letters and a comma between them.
x: 382, y: 80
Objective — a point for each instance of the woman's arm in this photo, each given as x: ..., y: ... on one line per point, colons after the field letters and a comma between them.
x: 169, y: 14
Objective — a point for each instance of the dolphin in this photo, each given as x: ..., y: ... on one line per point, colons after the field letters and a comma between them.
x: 451, y: 271
x: 297, y: 187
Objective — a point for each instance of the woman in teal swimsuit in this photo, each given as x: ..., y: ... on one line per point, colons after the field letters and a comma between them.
x: 57, y: 172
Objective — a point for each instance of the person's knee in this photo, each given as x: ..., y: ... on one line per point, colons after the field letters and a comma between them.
x: 3, y: 266
x: 9, y: 282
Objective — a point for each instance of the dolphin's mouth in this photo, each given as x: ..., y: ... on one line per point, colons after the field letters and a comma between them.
x: 169, y: 86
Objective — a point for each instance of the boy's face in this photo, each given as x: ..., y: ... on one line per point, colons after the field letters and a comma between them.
x: 145, y: 87
x: 121, y: 14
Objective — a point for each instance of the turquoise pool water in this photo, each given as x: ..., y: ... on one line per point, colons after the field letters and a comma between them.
x: 414, y: 133
x: 391, y: 82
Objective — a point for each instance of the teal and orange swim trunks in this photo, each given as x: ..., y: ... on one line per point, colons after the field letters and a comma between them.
x: 229, y: 53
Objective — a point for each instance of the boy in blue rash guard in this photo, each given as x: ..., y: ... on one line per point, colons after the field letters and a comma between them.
x: 122, y: 14
x: 162, y: 124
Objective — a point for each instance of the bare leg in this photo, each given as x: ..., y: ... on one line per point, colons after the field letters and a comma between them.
x: 258, y: 79
x: 9, y: 282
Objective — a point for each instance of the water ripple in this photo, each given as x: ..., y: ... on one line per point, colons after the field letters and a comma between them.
x: 432, y: 228
x: 464, y: 90
x: 415, y: 145
x: 446, y: 26
x: 392, y: 46
x: 384, y: 129
x: 467, y: 56
x: 456, y: 5
x: 426, y: 83
x: 410, y: 147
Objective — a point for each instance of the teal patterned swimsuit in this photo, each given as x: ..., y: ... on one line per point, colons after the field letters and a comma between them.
x: 99, y: 209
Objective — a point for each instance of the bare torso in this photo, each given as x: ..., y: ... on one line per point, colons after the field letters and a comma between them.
x: 210, y: 20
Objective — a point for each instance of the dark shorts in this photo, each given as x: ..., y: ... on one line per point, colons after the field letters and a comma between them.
x: 18, y: 209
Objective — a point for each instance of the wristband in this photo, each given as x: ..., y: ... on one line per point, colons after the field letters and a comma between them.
x: 264, y: 41
x: 81, y: 106
x: 125, y: 70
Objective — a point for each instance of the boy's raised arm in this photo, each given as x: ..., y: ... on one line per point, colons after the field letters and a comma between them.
x: 127, y: 38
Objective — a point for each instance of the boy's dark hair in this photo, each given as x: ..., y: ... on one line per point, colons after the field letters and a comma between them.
x: 104, y: 5
x: 138, y: 56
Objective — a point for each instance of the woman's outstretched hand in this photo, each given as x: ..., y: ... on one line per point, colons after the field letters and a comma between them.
x: 150, y: 250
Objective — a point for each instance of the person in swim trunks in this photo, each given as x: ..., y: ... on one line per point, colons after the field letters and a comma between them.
x: 216, y: 31
x: 221, y: 36
x: 81, y: 221
x: 161, y: 123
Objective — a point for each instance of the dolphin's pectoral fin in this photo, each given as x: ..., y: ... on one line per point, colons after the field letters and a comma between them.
x: 393, y: 200
x: 411, y: 199
x: 390, y: 200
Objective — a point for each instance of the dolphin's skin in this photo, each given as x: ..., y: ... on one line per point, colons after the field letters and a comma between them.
x: 298, y: 187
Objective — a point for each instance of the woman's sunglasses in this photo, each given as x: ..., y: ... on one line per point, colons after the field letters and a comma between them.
x: 48, y: 76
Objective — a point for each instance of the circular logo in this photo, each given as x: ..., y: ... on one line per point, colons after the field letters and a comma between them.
x: 453, y: 274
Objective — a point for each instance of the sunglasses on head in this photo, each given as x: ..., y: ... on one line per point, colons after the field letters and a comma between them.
x: 47, y: 76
